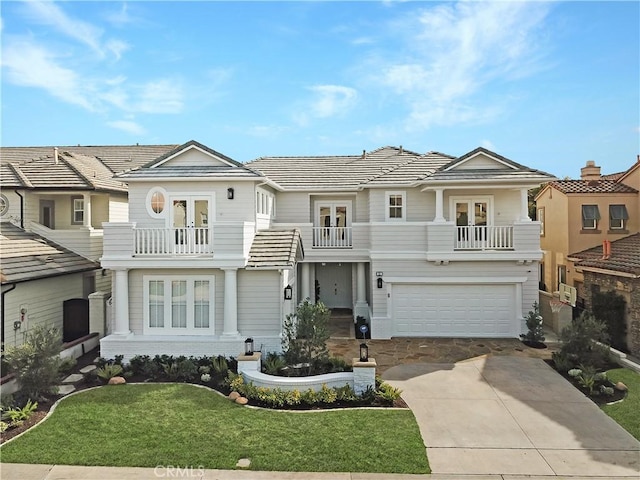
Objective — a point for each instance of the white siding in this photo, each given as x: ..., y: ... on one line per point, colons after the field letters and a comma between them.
x: 194, y: 157
x: 399, y: 237
x: 259, y: 300
x: 99, y: 210
x: 293, y: 207
x: 43, y: 300
x: 118, y: 209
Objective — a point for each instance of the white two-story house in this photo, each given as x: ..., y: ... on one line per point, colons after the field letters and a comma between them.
x: 216, y: 251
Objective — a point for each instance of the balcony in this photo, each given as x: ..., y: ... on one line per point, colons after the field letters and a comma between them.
x: 85, y: 241
x: 483, y: 237
x: 332, y: 237
x: 173, y: 241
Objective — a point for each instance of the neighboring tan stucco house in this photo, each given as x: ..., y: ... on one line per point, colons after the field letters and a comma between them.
x: 62, y: 195
x: 580, y: 214
x: 618, y: 271
x: 417, y: 244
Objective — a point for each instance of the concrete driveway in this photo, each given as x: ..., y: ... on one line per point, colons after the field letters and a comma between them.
x: 511, y: 415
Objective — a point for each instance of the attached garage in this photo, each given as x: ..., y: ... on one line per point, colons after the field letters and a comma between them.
x: 454, y: 310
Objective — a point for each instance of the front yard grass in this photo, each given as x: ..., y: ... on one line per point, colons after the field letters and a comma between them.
x: 183, y: 425
x: 627, y: 412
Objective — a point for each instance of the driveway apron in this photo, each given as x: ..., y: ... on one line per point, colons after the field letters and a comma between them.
x: 511, y: 415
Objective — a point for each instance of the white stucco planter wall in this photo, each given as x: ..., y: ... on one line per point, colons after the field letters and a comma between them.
x: 315, y: 382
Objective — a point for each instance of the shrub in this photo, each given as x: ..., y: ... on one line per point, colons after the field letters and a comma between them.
x: 66, y: 365
x: 108, y: 371
x: 337, y: 364
x: 170, y: 369
x: 578, y: 344
x: 273, y: 363
x: 609, y: 308
x: 305, y: 334
x: 187, y: 370
x: 561, y: 361
x: 326, y: 394
x: 17, y: 414
x: 3, y: 427
x: 387, y: 394
x: 220, y: 365
x: 36, y: 362
x: 534, y: 326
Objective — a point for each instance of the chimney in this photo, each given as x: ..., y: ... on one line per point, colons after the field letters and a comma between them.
x: 55, y: 155
x: 401, y: 150
x: 606, y: 249
x: 364, y: 154
x: 590, y: 172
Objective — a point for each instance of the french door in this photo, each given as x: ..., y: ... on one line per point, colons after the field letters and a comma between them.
x: 333, y: 224
x: 189, y: 222
x: 472, y: 217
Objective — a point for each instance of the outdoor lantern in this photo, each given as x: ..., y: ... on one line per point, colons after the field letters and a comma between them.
x: 379, y: 282
x: 248, y: 346
x: 364, y: 352
x: 230, y: 193
x: 288, y: 292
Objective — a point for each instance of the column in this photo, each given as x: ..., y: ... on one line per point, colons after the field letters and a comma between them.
x: 230, y: 302
x: 305, y: 282
x: 362, y: 307
x: 524, y: 205
x: 439, y: 205
x: 86, y: 199
x: 121, y: 300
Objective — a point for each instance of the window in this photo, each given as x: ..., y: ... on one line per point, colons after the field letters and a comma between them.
x: 78, y: 210
x: 617, y: 217
x: 265, y: 204
x: 179, y: 305
x: 4, y: 204
x: 156, y: 202
x: 396, y: 204
x: 541, y: 220
x: 590, y: 217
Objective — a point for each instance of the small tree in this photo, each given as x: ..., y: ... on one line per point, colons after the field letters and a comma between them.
x: 579, y: 342
x: 534, y: 324
x: 36, y: 362
x: 305, y: 334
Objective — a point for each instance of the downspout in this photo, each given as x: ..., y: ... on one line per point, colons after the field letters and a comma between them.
x: 21, y: 226
x: 13, y: 287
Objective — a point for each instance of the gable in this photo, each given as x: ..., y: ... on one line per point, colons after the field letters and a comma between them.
x: 193, y: 156
x: 632, y: 176
x: 481, y: 161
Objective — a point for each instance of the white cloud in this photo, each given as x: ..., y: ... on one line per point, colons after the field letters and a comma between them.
x: 331, y: 100
x: 120, y: 17
x: 128, y: 126
x: 266, y: 131
x: 30, y: 65
x: 158, y: 96
x: 117, y: 48
x: 458, y: 50
x: 488, y: 144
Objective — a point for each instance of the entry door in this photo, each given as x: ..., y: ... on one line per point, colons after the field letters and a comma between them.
x: 47, y: 213
x: 334, y: 281
x: 190, y: 222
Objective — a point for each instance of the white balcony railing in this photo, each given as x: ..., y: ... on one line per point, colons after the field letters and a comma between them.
x: 173, y: 241
x: 332, y: 237
x: 483, y: 237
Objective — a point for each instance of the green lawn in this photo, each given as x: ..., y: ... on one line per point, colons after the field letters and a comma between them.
x: 626, y: 413
x: 182, y: 425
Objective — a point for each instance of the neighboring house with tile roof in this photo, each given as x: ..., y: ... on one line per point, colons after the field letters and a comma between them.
x: 615, y: 270
x: 65, y: 193
x: 417, y: 244
x: 580, y: 214
x: 39, y: 280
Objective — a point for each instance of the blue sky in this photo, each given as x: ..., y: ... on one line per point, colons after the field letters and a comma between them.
x: 550, y: 85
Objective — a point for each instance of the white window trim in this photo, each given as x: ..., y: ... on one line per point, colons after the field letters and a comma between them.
x: 265, y: 204
x: 147, y: 202
x: 621, y: 220
x: 168, y: 329
x: 541, y: 214
x: 387, y: 196
x: 74, y: 210
x: 4, y: 207
x: 332, y: 204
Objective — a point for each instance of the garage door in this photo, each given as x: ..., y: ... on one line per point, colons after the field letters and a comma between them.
x: 454, y: 310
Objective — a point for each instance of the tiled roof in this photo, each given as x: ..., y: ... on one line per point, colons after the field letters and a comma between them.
x: 25, y: 256
x: 275, y: 249
x: 592, y: 186
x: 116, y: 157
x: 195, y: 171
x: 613, y: 176
x: 386, y: 165
x: 79, y: 168
x: 625, y: 256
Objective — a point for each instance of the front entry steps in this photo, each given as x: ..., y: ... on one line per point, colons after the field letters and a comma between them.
x: 341, y: 324
x: 69, y: 383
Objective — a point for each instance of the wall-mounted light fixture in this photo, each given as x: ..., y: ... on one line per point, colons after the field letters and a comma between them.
x: 288, y: 292
x: 230, y: 193
x: 379, y: 282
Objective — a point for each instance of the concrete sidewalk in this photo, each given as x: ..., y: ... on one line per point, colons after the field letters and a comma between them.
x: 10, y: 471
x: 512, y: 415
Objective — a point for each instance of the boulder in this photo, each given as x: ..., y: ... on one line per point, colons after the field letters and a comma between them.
x: 242, y: 401
x: 233, y: 396
x: 621, y: 386
x: 117, y: 381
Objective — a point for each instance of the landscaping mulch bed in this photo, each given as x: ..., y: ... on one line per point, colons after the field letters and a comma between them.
x: 596, y: 397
